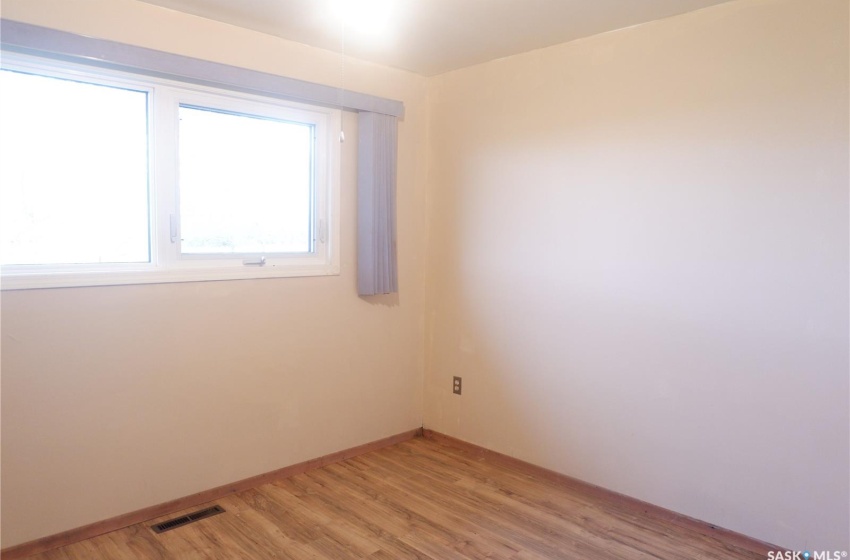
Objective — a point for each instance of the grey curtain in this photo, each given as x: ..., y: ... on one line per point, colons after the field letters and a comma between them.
x: 377, y: 150
x: 51, y: 43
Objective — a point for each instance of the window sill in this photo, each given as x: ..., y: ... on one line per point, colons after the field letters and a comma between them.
x: 34, y: 281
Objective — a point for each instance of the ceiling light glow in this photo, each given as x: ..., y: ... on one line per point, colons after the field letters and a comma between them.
x: 367, y: 20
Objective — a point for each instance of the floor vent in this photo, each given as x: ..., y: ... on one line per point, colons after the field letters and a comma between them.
x: 186, y: 519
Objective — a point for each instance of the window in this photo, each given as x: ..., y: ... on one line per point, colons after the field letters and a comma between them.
x: 70, y: 150
x: 113, y: 178
x: 237, y: 194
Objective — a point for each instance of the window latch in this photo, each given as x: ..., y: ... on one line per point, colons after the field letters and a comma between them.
x: 323, y: 231
x: 260, y: 262
x: 172, y: 226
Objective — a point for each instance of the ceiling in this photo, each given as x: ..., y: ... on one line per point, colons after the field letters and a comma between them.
x: 433, y: 36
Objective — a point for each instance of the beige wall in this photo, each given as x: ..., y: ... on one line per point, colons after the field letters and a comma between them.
x: 637, y: 260
x: 639, y: 264
x: 118, y: 398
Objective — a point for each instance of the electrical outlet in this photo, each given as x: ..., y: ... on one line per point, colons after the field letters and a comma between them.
x: 457, y: 386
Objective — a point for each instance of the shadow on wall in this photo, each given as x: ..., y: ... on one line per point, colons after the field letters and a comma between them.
x: 385, y: 300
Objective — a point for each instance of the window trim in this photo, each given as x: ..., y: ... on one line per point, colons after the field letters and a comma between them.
x: 166, y: 95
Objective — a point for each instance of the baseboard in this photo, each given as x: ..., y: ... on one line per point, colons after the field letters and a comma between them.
x: 113, y: 524
x: 604, y: 496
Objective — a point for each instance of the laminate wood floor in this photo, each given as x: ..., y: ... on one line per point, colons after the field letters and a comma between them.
x: 417, y: 499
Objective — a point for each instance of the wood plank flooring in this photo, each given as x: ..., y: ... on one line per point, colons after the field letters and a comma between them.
x: 418, y: 499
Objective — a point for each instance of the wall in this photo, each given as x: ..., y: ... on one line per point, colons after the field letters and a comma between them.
x: 118, y: 398
x: 639, y: 257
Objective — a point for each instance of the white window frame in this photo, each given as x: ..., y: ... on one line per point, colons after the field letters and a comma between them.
x: 167, y: 264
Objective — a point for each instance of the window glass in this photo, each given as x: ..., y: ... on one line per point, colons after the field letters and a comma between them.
x: 246, y: 183
x: 73, y: 172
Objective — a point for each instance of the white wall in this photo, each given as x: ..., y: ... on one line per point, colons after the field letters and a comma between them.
x: 639, y: 264
x: 118, y: 398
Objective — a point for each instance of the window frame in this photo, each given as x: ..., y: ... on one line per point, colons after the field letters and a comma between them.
x: 166, y: 263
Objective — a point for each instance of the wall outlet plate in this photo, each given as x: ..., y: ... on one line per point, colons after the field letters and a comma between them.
x: 457, y: 385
